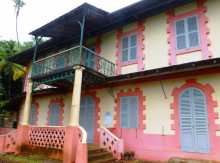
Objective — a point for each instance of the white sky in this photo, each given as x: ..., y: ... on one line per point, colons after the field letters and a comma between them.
x: 39, y: 12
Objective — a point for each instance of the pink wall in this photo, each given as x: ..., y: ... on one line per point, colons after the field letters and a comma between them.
x: 147, y: 146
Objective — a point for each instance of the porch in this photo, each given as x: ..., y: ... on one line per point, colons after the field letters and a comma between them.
x: 73, y: 69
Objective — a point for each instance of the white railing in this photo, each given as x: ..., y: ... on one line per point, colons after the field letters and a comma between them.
x: 111, y: 143
x: 83, y: 135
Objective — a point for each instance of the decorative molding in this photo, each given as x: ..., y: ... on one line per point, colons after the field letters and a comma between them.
x: 211, y: 105
x: 140, y: 47
x: 59, y: 101
x: 141, y: 100
x: 203, y: 29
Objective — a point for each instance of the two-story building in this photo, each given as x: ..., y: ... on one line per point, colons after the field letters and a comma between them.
x: 144, y: 78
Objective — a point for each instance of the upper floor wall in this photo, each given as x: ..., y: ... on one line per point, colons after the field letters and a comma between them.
x: 185, y: 34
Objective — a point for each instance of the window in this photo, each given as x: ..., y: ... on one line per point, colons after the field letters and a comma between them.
x: 187, y: 33
x: 129, y: 111
x: 129, y: 48
x: 194, y: 129
x: 33, y: 114
x: 54, y: 116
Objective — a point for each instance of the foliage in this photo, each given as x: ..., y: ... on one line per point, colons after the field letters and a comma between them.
x: 9, y: 71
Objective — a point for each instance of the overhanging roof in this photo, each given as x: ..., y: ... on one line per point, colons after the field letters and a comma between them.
x: 68, y: 26
x: 65, y: 29
x: 98, y: 20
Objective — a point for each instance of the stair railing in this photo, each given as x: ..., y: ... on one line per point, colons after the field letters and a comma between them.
x: 111, y: 143
x: 81, y: 149
x: 83, y: 135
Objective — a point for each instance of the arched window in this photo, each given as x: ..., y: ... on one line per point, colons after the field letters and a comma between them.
x: 33, y: 115
x: 193, y: 113
x: 55, y: 116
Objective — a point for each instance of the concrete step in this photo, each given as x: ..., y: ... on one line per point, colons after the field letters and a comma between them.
x: 102, y: 155
x: 98, y: 155
x: 107, y: 160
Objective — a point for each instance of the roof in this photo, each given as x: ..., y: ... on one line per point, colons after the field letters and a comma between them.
x: 209, y: 66
x: 65, y: 29
x: 98, y: 20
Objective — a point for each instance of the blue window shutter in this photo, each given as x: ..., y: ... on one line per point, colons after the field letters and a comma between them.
x: 124, y: 112
x: 55, y: 114
x: 186, y: 122
x: 129, y: 112
x: 33, y: 115
x: 194, y: 121
x: 133, y: 112
x: 201, y: 122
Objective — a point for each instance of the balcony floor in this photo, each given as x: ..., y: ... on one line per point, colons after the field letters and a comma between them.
x: 63, y: 78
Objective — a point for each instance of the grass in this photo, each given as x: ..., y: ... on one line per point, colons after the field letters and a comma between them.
x: 11, y: 158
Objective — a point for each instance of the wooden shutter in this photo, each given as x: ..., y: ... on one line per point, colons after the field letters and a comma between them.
x: 33, y: 115
x: 200, y: 122
x: 194, y: 121
x: 124, y: 112
x: 186, y: 122
x: 133, y: 112
x: 129, y: 112
x: 55, y: 114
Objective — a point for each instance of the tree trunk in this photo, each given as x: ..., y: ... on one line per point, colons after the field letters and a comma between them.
x: 16, y: 21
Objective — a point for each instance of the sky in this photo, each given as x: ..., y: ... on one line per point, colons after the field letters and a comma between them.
x: 36, y: 13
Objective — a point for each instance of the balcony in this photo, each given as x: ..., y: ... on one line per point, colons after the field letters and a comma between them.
x: 59, y: 66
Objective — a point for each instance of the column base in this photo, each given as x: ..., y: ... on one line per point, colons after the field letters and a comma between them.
x: 70, y: 144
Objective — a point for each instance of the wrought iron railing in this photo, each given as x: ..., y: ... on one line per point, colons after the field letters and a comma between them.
x: 68, y: 58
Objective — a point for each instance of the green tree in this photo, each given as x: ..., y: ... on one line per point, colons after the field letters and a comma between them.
x: 8, y: 48
x: 9, y: 71
x: 18, y: 4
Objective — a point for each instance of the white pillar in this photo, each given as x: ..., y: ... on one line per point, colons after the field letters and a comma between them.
x: 75, y: 107
x: 27, y: 103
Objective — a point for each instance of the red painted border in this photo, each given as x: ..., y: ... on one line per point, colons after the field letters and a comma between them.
x: 97, y: 112
x: 141, y: 99
x: 203, y: 29
x: 98, y: 42
x: 59, y: 101
x: 140, y: 47
x: 37, y: 107
x: 211, y: 104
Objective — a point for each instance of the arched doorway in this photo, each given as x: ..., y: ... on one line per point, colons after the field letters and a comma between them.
x: 193, y: 113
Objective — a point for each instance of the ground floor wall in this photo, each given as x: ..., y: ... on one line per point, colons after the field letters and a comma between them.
x: 157, y: 136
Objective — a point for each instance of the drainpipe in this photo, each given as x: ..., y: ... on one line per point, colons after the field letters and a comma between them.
x: 35, y: 49
x: 82, y: 25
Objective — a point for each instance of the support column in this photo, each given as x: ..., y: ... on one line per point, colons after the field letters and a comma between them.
x: 76, y: 96
x: 23, y: 128
x: 71, y: 136
x: 27, y: 103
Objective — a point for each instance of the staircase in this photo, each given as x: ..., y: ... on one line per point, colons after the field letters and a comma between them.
x: 98, y: 155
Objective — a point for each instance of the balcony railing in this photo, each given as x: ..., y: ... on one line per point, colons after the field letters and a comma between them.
x: 67, y: 59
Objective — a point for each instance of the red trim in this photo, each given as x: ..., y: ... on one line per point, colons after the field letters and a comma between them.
x: 140, y: 47
x: 98, y: 42
x: 37, y: 107
x: 141, y: 107
x: 211, y: 104
x: 97, y: 113
x: 203, y: 29
x: 59, y: 101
